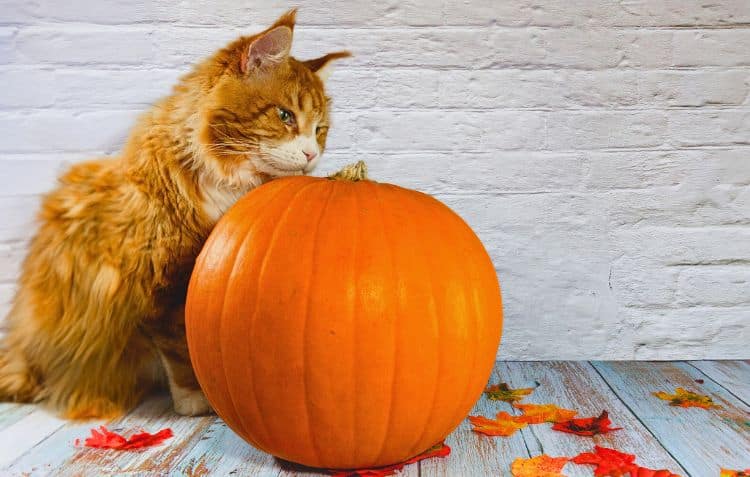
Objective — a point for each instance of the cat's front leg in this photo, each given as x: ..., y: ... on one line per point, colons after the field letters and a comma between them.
x: 171, y: 343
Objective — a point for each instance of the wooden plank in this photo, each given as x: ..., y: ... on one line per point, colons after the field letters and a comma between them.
x: 56, y: 455
x: 576, y: 385
x: 734, y: 376
x: 220, y: 451
x: 701, y: 440
x: 12, y: 412
x: 26, y: 432
x: 476, y: 454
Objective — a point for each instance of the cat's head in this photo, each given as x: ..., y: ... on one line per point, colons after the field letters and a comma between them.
x: 266, y: 112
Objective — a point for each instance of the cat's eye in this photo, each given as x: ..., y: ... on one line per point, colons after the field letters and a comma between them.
x: 286, y: 116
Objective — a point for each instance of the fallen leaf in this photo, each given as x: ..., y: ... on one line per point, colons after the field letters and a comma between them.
x: 685, y: 398
x: 606, y: 460
x: 438, y: 450
x: 106, y: 439
x: 540, y: 466
x: 501, y: 392
x: 503, y: 425
x: 539, y: 413
x: 612, y: 463
x: 587, y: 426
x: 734, y: 473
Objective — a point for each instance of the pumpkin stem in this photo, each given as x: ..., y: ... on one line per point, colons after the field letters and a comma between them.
x: 352, y: 172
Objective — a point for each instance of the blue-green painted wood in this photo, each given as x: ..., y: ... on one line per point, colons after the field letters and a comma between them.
x: 734, y: 376
x: 577, y: 386
x: 701, y: 440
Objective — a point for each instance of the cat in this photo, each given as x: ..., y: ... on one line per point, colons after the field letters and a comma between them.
x: 97, y: 320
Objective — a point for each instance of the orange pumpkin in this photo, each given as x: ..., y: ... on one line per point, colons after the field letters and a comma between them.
x: 342, y: 324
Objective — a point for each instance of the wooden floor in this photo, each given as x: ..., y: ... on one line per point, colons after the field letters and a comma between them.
x: 689, y: 442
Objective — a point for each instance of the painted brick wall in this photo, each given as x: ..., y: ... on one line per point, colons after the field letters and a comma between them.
x: 600, y: 149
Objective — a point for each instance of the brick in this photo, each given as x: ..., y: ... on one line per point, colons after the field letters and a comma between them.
x: 387, y: 131
x: 19, y: 219
x: 690, y: 333
x: 82, y: 88
x: 557, y: 13
x: 604, y: 48
x: 595, y: 130
x: 33, y: 173
x: 30, y: 88
x: 7, y: 44
x: 73, y: 45
x: 715, y: 285
x: 711, y: 47
x: 491, y: 173
x: 12, y: 255
x: 648, y: 169
x: 66, y: 131
x: 710, y: 127
x: 693, y: 88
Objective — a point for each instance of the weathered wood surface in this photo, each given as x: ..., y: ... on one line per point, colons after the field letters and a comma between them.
x: 690, y: 442
x: 702, y: 440
x: 576, y: 385
x: 734, y: 376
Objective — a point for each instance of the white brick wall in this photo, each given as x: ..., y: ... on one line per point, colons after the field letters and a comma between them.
x: 600, y: 149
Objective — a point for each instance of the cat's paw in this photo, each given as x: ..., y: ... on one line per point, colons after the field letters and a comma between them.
x: 190, y: 402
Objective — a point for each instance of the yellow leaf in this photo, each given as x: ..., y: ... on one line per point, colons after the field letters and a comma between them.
x: 540, y: 466
x: 685, y: 398
x: 503, y: 425
x: 539, y: 413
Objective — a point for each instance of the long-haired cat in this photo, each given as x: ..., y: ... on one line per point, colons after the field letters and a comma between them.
x: 98, y: 316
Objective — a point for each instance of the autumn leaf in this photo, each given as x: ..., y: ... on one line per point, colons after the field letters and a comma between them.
x: 503, y: 425
x: 612, y: 463
x: 105, y: 439
x: 685, y: 398
x: 501, y: 392
x: 734, y: 473
x: 540, y: 466
x: 539, y: 413
x: 438, y: 450
x: 587, y: 426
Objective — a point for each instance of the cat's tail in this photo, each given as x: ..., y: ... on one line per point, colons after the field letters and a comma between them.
x: 17, y: 381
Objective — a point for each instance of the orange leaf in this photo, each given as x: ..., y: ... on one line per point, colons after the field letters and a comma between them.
x: 501, y: 392
x: 503, y: 425
x: 587, y: 426
x: 438, y: 450
x: 734, y: 473
x: 540, y: 466
x: 685, y: 398
x: 539, y: 413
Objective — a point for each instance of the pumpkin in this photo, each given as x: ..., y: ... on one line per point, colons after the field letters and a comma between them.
x: 342, y: 323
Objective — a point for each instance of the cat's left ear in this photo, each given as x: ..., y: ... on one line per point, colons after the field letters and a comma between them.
x: 322, y: 66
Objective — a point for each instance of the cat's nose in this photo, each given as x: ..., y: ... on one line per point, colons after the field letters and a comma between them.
x: 310, y: 155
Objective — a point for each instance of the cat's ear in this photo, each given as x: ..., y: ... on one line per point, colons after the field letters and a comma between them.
x: 268, y: 49
x: 287, y: 19
x: 322, y: 66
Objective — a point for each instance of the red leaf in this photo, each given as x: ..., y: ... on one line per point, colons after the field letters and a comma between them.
x: 612, y: 463
x: 587, y: 426
x: 106, y: 439
x: 439, y: 450
x: 606, y: 461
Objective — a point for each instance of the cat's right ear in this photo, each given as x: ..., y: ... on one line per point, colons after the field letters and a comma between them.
x: 268, y: 49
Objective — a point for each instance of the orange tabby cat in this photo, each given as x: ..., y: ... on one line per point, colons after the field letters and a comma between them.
x: 98, y: 317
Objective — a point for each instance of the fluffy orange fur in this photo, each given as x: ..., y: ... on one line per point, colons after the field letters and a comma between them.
x: 97, y: 320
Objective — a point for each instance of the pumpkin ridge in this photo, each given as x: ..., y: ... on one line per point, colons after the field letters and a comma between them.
x: 306, y: 328
x: 261, y: 271
x: 433, y: 311
x: 245, y: 231
x: 354, y: 244
x: 388, y: 246
x: 243, y: 244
